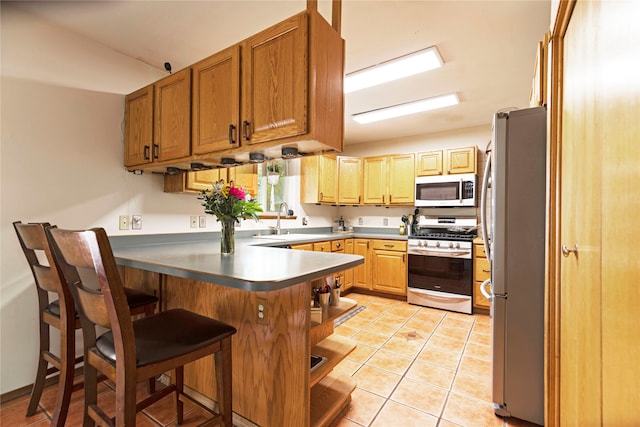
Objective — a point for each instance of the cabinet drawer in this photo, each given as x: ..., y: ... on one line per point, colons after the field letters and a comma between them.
x: 482, y: 269
x: 322, y: 246
x: 479, y: 251
x: 337, y: 245
x: 390, y: 245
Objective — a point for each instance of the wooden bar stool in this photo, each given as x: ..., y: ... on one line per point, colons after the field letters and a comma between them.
x: 61, y: 315
x: 134, y: 350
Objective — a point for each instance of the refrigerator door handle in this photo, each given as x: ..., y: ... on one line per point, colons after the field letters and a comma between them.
x: 483, y: 207
x: 483, y: 289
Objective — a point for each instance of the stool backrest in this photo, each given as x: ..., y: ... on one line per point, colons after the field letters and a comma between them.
x: 33, y: 241
x: 90, y: 251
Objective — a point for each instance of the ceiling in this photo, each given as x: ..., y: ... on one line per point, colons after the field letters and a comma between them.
x: 489, y: 47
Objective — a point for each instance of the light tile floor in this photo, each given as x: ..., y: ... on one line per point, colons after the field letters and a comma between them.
x: 417, y: 366
x: 414, y: 366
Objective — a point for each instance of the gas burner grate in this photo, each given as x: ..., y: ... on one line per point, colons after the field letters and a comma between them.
x: 446, y: 236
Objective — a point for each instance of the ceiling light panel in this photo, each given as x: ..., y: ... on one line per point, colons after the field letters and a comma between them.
x: 407, y: 109
x: 405, y: 66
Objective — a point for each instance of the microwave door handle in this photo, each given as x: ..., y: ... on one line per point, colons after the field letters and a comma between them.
x: 460, y: 187
x: 483, y: 207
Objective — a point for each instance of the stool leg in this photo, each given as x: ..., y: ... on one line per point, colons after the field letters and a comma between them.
x: 65, y: 381
x: 223, y: 381
x: 149, y: 309
x: 41, y: 374
x: 179, y: 390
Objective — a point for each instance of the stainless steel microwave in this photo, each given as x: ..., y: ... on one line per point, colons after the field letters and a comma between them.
x: 446, y: 191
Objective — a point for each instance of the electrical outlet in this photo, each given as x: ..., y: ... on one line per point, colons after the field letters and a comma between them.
x: 261, y: 310
x: 202, y: 221
x: 385, y: 221
x: 193, y: 221
x: 360, y: 221
x: 124, y: 222
x: 136, y: 222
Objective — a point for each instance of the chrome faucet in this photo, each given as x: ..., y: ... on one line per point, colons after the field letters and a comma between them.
x: 286, y: 215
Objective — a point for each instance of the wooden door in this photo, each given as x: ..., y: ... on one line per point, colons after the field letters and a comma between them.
x: 172, y: 116
x: 389, y: 271
x: 429, y: 163
x: 374, y: 184
x: 349, y: 180
x: 401, y: 175
x: 138, y: 127
x: 361, y: 273
x: 275, y: 82
x: 215, y: 102
x: 461, y: 160
x: 348, y: 274
x: 594, y: 305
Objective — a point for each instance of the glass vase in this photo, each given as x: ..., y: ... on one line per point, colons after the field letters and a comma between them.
x: 228, y: 236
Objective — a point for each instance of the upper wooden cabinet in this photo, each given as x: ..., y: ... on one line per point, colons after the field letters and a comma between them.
x: 138, y: 127
x: 216, y: 102
x: 245, y: 176
x: 429, y: 163
x: 319, y: 179
x: 349, y: 180
x: 282, y: 87
x: 461, y: 160
x: 389, y: 180
x: 172, y: 116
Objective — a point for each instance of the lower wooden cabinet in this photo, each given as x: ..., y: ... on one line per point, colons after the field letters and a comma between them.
x: 481, y: 272
x: 362, y: 273
x: 389, y: 266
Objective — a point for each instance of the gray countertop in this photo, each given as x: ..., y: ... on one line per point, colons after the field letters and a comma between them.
x: 256, y: 264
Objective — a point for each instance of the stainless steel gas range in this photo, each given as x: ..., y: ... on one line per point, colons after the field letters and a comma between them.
x: 440, y: 263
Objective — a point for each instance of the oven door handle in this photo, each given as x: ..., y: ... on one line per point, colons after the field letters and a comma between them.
x: 483, y: 289
x: 436, y: 295
x: 444, y: 254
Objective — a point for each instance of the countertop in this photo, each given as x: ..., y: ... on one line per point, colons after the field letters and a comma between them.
x: 258, y: 264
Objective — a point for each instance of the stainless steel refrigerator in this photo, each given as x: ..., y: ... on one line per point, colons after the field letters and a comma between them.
x: 514, y: 183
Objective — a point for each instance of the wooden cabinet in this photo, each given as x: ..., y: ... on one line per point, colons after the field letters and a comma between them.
x: 389, y: 266
x: 348, y: 274
x: 389, y: 180
x: 216, y: 102
x: 279, y: 88
x: 138, y: 127
x: 324, y: 246
x: 481, y: 272
x: 461, y: 160
x: 172, y: 117
x: 303, y: 247
x: 429, y: 163
x: 319, y: 179
x: 362, y: 273
x: 245, y: 176
x: 349, y: 181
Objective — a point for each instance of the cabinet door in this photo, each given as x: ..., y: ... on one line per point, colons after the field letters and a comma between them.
x: 389, y: 271
x: 348, y: 274
x: 245, y: 176
x: 461, y: 160
x: 138, y: 127
x: 361, y: 273
x: 322, y: 246
x: 202, y: 180
x: 303, y: 247
x: 216, y: 102
x: 328, y: 179
x: 275, y: 82
x: 429, y: 163
x: 402, y: 179
x: 374, y: 184
x: 349, y: 180
x: 172, y: 116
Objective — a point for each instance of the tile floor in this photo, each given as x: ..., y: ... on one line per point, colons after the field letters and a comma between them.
x: 414, y: 366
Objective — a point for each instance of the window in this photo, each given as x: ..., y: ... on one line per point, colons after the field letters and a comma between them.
x: 271, y: 184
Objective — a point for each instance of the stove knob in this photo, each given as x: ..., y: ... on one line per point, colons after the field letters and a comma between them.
x: 457, y: 245
x: 450, y: 245
x: 422, y: 243
x: 437, y: 244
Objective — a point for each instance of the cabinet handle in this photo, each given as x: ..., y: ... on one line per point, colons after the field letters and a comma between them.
x: 232, y: 139
x: 403, y: 258
x: 383, y: 196
x: 321, y: 196
x: 388, y: 245
x: 245, y: 130
x: 566, y: 251
x: 390, y: 196
x: 146, y: 152
x: 486, y: 271
x: 156, y: 149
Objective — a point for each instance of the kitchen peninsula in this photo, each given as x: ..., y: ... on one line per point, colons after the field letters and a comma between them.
x: 265, y: 293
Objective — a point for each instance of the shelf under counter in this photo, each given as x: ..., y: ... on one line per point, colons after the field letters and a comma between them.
x: 329, y: 397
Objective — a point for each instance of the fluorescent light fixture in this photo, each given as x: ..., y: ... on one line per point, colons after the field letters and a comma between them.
x: 405, y: 66
x: 406, y: 109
